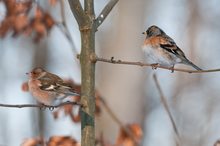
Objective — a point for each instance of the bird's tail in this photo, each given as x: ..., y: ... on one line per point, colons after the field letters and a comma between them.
x: 187, y: 62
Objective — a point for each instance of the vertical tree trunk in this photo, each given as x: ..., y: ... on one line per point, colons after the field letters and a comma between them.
x: 88, y: 25
x: 88, y: 87
x: 85, y: 20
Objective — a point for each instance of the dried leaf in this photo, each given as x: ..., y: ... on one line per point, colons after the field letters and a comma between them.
x: 38, y: 13
x: 16, y: 17
x: 41, y: 23
x: 98, y: 104
x: 22, y: 7
x: 124, y: 139
x: 62, y: 141
x: 55, y: 114
x: 32, y: 142
x: 49, y: 22
x: 17, y: 20
x: 39, y: 27
x: 20, y: 23
x: 69, y: 111
x: 217, y: 143
x: 53, y: 141
x: 15, y: 8
x: 5, y: 26
x: 53, y: 2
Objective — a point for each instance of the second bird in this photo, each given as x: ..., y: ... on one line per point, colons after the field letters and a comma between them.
x: 162, y: 49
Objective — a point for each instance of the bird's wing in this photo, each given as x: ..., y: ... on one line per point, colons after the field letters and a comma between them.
x: 169, y: 45
x: 52, y: 82
x: 49, y: 82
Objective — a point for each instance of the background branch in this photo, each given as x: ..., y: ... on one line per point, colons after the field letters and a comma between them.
x: 116, y: 119
x: 63, y: 26
x: 62, y: 12
x: 104, y: 13
x: 164, y: 102
x: 39, y: 105
x: 154, y: 66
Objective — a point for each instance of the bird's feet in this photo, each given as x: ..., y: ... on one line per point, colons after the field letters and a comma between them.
x: 45, y: 106
x: 172, y: 69
x: 42, y: 106
x: 154, y: 66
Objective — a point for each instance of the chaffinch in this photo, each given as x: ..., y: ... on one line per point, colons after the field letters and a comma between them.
x: 47, y: 87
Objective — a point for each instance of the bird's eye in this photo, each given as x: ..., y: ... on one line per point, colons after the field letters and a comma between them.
x: 148, y: 32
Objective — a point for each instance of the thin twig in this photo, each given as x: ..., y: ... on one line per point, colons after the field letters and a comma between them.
x: 62, y: 12
x: 154, y: 66
x: 63, y: 26
x: 165, y: 104
x: 41, y: 106
x: 104, y: 13
x: 115, y: 118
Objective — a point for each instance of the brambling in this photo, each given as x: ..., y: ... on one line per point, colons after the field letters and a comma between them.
x: 47, y: 87
x: 162, y: 49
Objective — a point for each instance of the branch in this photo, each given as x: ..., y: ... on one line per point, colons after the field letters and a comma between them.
x: 41, y: 106
x: 154, y: 66
x: 62, y: 12
x: 63, y: 26
x: 164, y: 102
x: 89, y: 7
x: 115, y: 118
x: 107, y: 9
x: 77, y: 11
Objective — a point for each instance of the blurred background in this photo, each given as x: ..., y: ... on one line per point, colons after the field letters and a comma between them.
x: 129, y: 90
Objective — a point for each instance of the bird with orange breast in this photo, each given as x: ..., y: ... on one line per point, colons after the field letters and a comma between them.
x: 47, y: 87
x: 162, y: 49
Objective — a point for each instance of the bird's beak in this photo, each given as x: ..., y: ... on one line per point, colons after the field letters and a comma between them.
x: 144, y: 33
x: 27, y: 73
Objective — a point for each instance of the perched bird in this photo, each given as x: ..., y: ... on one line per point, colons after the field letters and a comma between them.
x: 47, y: 87
x: 162, y: 49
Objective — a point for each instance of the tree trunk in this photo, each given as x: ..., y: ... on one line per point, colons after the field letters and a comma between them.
x: 88, y: 25
x: 87, y: 87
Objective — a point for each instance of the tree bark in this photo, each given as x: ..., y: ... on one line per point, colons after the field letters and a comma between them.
x: 87, y: 87
x: 85, y: 20
x: 88, y: 26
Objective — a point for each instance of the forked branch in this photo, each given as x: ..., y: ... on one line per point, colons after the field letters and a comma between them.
x: 104, y: 13
x: 89, y: 7
x: 78, y: 11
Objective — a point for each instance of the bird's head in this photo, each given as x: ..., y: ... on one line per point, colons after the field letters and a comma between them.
x: 36, y: 73
x: 153, y: 31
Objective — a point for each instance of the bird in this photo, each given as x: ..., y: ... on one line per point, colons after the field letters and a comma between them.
x: 47, y: 87
x: 162, y: 49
